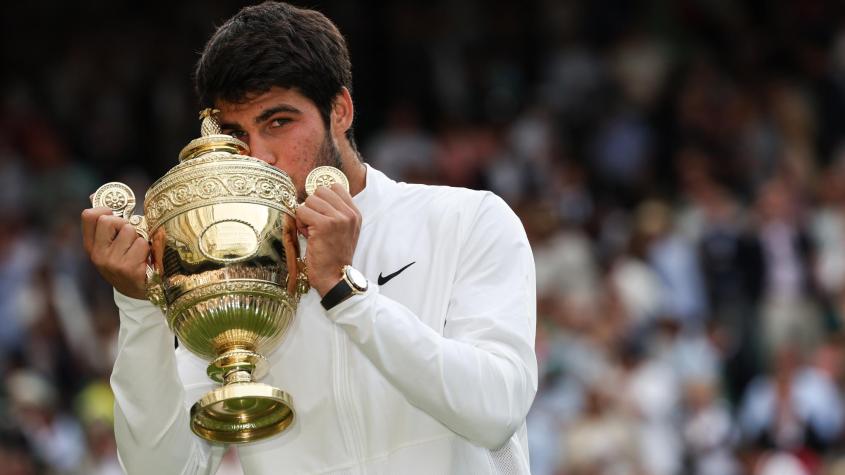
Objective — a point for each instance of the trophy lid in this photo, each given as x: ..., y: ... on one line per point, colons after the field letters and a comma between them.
x: 212, y: 139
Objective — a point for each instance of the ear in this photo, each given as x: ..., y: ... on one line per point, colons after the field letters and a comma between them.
x: 343, y: 112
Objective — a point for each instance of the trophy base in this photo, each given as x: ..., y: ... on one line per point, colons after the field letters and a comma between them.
x: 242, y: 412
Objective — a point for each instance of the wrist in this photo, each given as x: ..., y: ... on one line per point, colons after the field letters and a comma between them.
x: 325, y: 284
x: 352, y: 282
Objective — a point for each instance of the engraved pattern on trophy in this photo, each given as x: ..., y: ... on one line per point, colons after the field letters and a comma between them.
x: 227, y: 272
x: 215, y: 182
x: 116, y: 196
x: 324, y: 176
x: 114, y: 200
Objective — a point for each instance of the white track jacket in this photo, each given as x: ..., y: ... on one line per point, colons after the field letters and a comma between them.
x: 432, y: 372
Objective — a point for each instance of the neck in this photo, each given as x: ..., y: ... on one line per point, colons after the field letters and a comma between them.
x: 353, y: 168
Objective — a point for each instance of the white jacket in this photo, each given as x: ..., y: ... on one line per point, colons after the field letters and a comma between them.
x: 432, y: 373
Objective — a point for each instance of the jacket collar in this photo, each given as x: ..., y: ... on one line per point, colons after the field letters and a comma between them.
x: 375, y: 196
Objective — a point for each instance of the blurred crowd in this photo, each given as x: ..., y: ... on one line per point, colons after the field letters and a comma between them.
x: 679, y: 167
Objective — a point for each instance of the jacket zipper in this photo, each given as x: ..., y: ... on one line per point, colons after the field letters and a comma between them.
x: 347, y: 411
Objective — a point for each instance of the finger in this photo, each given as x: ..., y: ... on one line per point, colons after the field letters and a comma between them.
x: 89, y: 224
x: 350, y: 209
x: 138, y: 251
x: 309, y: 217
x: 344, y: 195
x: 336, y: 201
x: 321, y: 206
x: 125, y: 237
x: 107, y: 228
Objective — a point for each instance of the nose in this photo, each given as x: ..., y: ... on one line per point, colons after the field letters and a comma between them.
x: 262, y: 151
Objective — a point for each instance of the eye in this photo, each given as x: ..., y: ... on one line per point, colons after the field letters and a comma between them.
x: 235, y: 133
x: 278, y: 122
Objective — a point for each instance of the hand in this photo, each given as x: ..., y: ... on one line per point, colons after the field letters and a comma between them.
x: 117, y: 251
x: 331, y: 223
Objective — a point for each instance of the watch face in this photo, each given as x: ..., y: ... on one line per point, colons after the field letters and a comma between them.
x: 356, y: 278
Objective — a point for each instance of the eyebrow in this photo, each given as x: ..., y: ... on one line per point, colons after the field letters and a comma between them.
x: 275, y: 110
x: 264, y: 115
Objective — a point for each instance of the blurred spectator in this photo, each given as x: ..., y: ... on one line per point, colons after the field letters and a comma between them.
x: 55, y: 437
x: 638, y: 286
x: 603, y: 440
x: 789, y: 315
x: 796, y: 408
x: 652, y: 399
x: 675, y: 261
x: 402, y: 150
x: 16, y: 455
x: 709, y: 434
x: 781, y: 463
x: 94, y: 408
x: 624, y: 149
x: 20, y: 254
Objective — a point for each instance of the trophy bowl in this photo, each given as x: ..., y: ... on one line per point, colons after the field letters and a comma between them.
x: 225, y: 269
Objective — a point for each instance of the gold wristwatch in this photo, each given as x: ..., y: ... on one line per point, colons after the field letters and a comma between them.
x: 352, y: 282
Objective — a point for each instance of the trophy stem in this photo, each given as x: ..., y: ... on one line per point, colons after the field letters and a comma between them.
x: 237, y: 376
x: 237, y: 365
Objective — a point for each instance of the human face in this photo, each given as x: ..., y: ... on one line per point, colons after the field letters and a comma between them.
x: 284, y: 129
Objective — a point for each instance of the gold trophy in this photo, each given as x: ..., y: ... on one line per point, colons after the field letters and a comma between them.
x: 225, y: 269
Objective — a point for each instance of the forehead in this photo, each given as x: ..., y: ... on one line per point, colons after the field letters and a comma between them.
x: 254, y: 104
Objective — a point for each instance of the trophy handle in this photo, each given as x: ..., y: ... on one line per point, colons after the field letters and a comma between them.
x: 302, y: 284
x: 121, y: 200
x: 155, y: 289
x: 320, y: 176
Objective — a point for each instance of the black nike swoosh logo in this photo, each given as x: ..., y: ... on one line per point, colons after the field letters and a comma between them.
x: 383, y: 280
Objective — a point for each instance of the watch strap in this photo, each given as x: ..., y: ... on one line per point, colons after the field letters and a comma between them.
x: 340, y: 292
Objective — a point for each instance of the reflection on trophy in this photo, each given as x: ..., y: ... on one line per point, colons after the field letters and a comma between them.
x: 226, y: 271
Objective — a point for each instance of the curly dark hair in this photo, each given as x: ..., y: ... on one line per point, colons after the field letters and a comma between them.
x: 275, y: 44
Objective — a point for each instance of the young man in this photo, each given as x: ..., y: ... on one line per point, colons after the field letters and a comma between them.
x: 430, y: 370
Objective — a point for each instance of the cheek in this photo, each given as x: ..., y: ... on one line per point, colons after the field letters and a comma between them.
x: 304, y: 143
x: 300, y: 147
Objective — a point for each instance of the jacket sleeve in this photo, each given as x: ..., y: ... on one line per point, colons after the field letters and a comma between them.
x: 479, y: 376
x: 151, y: 403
